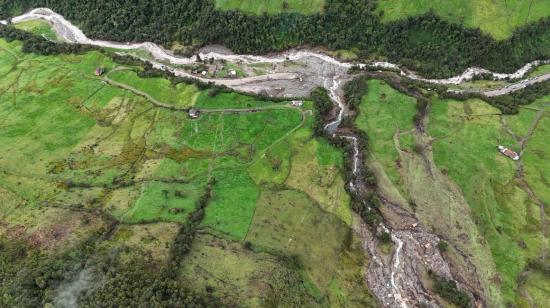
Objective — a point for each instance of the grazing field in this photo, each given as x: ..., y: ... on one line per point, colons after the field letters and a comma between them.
x: 182, y: 95
x: 386, y: 115
x: 507, y: 216
x: 541, y: 70
x: 272, y: 6
x: 38, y: 27
x: 499, y: 18
x: 475, y: 192
x: 282, y: 223
x: 77, y: 152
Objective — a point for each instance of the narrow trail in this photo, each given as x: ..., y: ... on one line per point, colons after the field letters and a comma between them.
x: 520, y: 174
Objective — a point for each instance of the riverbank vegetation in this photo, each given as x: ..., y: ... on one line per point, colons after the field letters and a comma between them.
x: 425, y: 43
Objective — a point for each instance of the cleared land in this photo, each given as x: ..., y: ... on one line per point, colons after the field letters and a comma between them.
x: 272, y: 6
x: 496, y: 212
x: 498, y: 18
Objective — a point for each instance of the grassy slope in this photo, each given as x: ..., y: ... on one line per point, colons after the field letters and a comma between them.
x: 384, y: 114
x: 505, y: 216
x: 498, y: 18
x: 63, y: 127
x: 272, y: 6
x: 282, y: 223
x: 38, y: 27
x: 161, y: 89
x: 465, y: 149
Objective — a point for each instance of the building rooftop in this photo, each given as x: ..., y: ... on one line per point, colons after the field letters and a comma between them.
x: 507, y: 152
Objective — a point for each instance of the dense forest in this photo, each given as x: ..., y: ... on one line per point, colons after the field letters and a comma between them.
x: 424, y: 43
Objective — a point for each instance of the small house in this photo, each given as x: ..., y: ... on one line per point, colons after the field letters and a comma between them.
x: 194, y: 113
x: 297, y: 103
x: 233, y: 73
x: 99, y: 71
x: 507, y: 152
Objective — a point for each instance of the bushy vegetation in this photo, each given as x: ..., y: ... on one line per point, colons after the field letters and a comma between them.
x: 39, y: 45
x: 30, y: 278
x: 323, y: 107
x: 449, y: 291
x: 425, y: 43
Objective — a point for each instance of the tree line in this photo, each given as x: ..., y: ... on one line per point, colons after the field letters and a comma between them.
x: 425, y: 43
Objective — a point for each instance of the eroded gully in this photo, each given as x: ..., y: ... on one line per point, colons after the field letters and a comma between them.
x: 396, y: 280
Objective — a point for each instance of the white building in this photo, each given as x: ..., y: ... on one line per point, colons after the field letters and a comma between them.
x: 507, y: 152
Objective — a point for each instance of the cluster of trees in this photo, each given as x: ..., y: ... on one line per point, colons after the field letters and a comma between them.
x: 510, y: 103
x: 425, y: 43
x: 323, y: 107
x: 449, y: 291
x: 186, y: 234
x: 39, y: 45
x: 29, y: 278
x: 123, y: 284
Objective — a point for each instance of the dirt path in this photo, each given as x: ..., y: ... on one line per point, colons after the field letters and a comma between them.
x: 520, y: 174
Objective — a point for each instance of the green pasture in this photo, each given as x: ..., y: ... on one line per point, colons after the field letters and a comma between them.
x: 256, y: 279
x: 72, y: 145
x: 272, y: 6
x: 499, y: 18
x: 540, y: 70
x: 181, y: 94
x: 501, y: 215
x: 386, y: 116
x: 38, y: 27
x: 466, y: 135
x: 318, y: 175
x: 283, y: 223
x: 229, y: 100
x: 71, y: 139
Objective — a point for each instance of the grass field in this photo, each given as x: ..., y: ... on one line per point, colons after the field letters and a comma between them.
x: 38, y: 27
x: 272, y: 6
x: 74, y: 147
x: 476, y: 193
x: 161, y: 89
x: 386, y: 115
x: 541, y: 70
x: 283, y: 223
x: 109, y: 148
x: 499, y: 18
x: 505, y: 215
